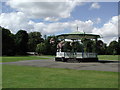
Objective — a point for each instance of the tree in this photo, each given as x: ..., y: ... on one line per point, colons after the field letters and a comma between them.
x: 40, y: 49
x: 51, y: 48
x: 67, y: 47
x: 112, y: 48
x: 21, y: 40
x: 101, y: 47
x: 34, y: 39
x: 78, y: 47
x: 88, y: 45
x: 8, y: 44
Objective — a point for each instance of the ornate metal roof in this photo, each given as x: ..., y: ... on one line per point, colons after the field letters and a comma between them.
x: 78, y: 35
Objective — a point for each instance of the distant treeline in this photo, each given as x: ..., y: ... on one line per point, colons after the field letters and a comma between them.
x: 23, y: 42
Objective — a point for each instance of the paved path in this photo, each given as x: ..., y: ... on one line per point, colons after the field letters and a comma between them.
x: 98, y: 66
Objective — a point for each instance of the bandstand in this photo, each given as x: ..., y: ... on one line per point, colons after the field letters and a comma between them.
x: 72, y: 47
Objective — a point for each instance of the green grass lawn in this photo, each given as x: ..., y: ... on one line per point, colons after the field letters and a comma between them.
x: 19, y: 58
x: 38, y: 77
x: 108, y: 57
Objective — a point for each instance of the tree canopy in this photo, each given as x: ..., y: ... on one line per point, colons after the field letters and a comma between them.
x: 34, y: 39
x: 40, y: 49
x: 21, y: 39
x: 23, y: 42
x: 113, y: 48
x: 8, y: 43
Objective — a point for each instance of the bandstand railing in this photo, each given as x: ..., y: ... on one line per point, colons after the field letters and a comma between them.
x: 76, y: 55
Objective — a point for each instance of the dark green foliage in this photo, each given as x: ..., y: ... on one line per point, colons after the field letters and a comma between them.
x: 8, y: 44
x: 88, y: 45
x: 21, y: 40
x: 113, y: 48
x: 40, y: 49
x: 50, y: 48
x: 101, y: 47
x: 92, y: 46
x: 34, y: 39
x: 77, y: 47
x: 67, y: 47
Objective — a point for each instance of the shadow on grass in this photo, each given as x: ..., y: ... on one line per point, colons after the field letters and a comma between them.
x: 108, y: 61
x: 99, y: 61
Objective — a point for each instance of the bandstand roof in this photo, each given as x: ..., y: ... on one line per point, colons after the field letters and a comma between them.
x: 78, y: 35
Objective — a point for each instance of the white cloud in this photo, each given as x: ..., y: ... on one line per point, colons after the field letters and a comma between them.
x: 109, y: 31
x: 53, y: 28
x: 86, y: 26
x: 95, y: 5
x: 14, y: 21
x: 17, y: 20
x: 45, y: 10
x: 51, y: 19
